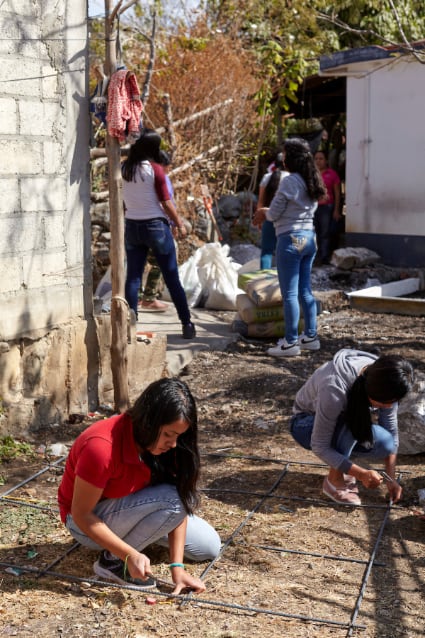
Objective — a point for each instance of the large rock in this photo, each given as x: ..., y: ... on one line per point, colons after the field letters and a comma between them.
x: 411, y: 419
x: 348, y: 258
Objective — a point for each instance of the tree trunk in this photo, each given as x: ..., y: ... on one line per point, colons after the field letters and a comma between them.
x: 119, y: 306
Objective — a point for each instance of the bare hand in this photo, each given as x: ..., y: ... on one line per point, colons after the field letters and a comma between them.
x: 184, y: 580
x: 139, y: 566
x: 371, y: 479
x: 259, y: 217
x: 394, y: 490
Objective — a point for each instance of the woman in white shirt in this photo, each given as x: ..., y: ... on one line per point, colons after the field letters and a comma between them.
x: 149, y: 209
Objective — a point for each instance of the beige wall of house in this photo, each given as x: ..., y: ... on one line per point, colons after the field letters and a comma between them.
x: 44, y: 165
x: 54, y: 355
x: 386, y: 149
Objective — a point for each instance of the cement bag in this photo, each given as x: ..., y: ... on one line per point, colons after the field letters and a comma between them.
x: 251, y: 313
x: 264, y: 292
x: 268, y: 330
x: 245, y: 277
x: 219, y: 278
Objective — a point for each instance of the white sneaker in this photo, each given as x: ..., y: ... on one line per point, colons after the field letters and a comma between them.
x: 283, y: 349
x: 309, y: 343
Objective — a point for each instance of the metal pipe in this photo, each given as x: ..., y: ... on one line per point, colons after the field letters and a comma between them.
x: 197, y: 601
x: 367, y: 572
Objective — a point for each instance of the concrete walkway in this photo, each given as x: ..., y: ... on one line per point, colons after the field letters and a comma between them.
x: 212, y: 333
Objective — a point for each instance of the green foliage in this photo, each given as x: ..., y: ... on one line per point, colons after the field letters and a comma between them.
x: 289, y: 36
x: 193, y: 44
x: 11, y: 449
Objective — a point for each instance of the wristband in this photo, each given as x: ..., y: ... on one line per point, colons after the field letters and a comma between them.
x: 171, y: 565
x: 125, y: 565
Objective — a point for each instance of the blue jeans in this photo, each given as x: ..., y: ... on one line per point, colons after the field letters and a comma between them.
x: 154, y: 234
x: 343, y: 440
x: 294, y: 259
x: 146, y: 517
x: 268, y: 244
x: 322, y: 224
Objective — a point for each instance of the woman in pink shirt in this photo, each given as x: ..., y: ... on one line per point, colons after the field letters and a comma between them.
x: 328, y: 208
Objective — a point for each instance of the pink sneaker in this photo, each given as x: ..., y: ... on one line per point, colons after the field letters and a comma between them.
x: 351, y: 483
x: 153, y: 306
x: 340, y: 495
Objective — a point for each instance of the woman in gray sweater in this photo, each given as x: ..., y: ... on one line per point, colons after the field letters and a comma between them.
x: 348, y: 407
x: 292, y: 213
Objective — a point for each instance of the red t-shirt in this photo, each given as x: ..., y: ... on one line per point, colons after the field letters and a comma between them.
x: 104, y: 455
x: 330, y: 178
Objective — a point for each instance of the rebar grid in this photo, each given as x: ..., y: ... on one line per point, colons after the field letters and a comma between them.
x: 184, y: 599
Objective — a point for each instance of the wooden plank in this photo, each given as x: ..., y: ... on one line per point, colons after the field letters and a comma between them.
x: 395, y: 305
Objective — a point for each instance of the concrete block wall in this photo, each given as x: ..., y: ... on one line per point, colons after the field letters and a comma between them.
x: 45, y: 257
x: 45, y: 260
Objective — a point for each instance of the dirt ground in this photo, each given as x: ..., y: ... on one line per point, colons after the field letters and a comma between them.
x: 293, y: 563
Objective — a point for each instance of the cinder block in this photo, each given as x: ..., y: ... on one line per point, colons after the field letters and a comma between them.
x: 23, y: 157
x: 8, y: 117
x: 44, y: 270
x: 39, y: 118
x: 54, y: 162
x: 10, y: 274
x: 43, y: 193
x: 9, y: 200
x: 21, y: 234
x: 27, y: 82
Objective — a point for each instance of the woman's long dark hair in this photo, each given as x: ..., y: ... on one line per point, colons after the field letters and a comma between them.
x: 274, y: 181
x: 387, y: 380
x: 146, y: 148
x: 163, y: 402
x: 299, y: 159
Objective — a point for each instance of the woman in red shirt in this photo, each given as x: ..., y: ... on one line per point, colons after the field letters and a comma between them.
x: 131, y: 480
x: 328, y: 208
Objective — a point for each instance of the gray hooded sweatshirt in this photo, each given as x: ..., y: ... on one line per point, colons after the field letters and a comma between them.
x: 325, y: 395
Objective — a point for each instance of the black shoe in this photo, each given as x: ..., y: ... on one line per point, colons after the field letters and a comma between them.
x: 113, y: 569
x: 189, y: 331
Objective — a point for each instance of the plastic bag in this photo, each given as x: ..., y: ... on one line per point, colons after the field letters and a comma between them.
x: 219, y: 277
x: 209, y: 278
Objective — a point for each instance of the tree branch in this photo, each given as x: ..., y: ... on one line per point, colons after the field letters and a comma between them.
x: 406, y: 48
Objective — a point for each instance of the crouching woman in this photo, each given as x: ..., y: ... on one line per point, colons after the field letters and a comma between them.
x: 131, y: 480
x: 348, y: 408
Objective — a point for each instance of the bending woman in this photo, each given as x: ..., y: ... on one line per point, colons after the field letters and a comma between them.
x: 131, y: 480
x: 149, y: 208
x: 348, y: 408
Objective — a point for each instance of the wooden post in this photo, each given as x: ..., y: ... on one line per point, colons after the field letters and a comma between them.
x: 119, y: 306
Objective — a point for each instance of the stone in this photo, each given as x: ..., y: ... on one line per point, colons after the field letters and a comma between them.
x: 348, y: 258
x: 411, y: 418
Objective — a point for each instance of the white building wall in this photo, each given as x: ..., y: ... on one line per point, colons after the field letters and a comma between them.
x: 385, y: 184
x: 45, y: 264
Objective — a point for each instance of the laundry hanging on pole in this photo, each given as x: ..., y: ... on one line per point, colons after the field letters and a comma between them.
x: 124, y: 106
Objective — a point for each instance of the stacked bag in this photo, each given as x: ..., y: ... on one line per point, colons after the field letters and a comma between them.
x: 260, y: 308
x: 260, y: 305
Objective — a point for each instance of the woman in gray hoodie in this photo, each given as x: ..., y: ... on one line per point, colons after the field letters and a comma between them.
x: 348, y: 407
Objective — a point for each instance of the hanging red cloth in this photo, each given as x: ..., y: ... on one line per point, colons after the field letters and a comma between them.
x: 124, y: 106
